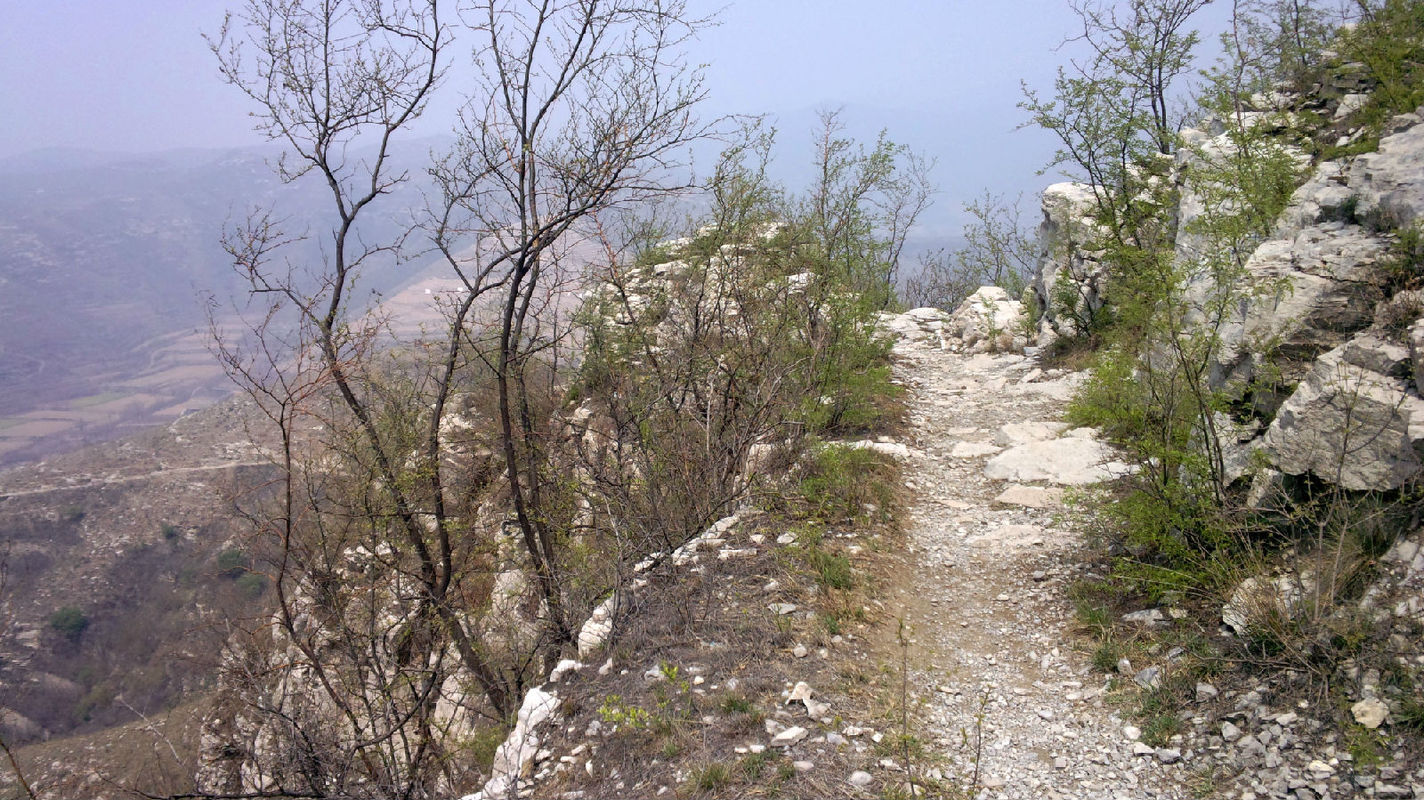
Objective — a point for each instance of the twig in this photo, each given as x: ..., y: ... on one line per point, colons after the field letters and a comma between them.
x: 15, y: 766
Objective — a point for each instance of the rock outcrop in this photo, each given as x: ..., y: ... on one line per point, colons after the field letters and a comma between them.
x: 989, y: 321
x: 1068, y: 284
x: 1355, y: 420
x: 1326, y: 317
x: 1321, y: 347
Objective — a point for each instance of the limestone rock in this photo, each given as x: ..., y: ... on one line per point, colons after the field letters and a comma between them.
x: 517, y: 753
x: 973, y: 450
x: 1316, y: 288
x: 597, y: 628
x: 918, y: 324
x: 1016, y: 433
x: 895, y: 450
x: 1069, y: 280
x: 1168, y: 755
x: 1370, y: 712
x: 1350, y: 424
x: 1066, y: 462
x: 989, y: 321
x: 789, y: 737
x: 1030, y: 496
x: 1147, y: 616
x: 1390, y: 181
x: 1259, y: 598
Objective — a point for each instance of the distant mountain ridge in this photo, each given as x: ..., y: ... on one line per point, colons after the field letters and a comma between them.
x: 105, y: 261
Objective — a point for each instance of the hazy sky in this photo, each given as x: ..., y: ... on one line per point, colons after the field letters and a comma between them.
x: 942, y: 75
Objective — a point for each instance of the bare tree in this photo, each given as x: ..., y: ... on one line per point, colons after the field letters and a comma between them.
x: 584, y: 107
x: 382, y: 540
x: 862, y: 205
x: 999, y: 250
x: 346, y: 681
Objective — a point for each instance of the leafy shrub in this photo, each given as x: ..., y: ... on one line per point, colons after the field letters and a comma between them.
x: 1390, y: 43
x: 832, y: 571
x: 251, y: 585
x: 69, y: 621
x: 848, y: 483
x: 232, y: 563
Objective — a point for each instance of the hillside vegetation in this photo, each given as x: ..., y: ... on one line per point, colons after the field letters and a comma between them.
x: 1236, y: 286
x: 445, y: 533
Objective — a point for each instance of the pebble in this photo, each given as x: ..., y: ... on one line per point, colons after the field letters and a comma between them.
x: 789, y: 737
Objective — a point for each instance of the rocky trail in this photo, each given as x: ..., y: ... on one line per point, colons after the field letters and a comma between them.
x: 992, y: 649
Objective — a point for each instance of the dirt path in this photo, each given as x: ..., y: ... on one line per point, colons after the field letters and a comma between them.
x: 984, y: 591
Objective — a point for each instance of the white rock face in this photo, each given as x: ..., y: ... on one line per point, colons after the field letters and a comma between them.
x: 989, y: 321
x: 597, y: 628
x: 519, y: 748
x: 1066, y: 272
x: 1390, y: 182
x: 1354, y: 420
x: 1327, y: 283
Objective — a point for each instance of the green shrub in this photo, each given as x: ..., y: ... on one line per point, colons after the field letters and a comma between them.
x: 832, y: 571
x: 1390, y: 43
x: 232, y: 563
x: 251, y: 585
x: 171, y: 531
x: 70, y: 622
x: 848, y: 483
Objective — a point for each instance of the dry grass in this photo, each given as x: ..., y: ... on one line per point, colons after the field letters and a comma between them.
x: 722, y: 663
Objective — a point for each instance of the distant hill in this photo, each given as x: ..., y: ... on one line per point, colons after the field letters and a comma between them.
x: 105, y: 260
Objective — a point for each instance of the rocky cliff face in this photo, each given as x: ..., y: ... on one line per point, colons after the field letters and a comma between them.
x: 1323, y: 353
x: 1326, y: 349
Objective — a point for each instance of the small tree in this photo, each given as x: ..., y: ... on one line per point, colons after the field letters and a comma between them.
x: 384, y: 534
x: 582, y: 108
x: 999, y: 250
x: 862, y: 205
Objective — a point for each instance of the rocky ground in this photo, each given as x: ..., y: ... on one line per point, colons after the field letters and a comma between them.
x: 1006, y: 689
x: 992, y: 641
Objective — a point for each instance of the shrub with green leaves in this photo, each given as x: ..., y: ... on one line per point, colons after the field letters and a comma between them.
x: 841, y: 483
x: 232, y: 563
x: 70, y: 622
